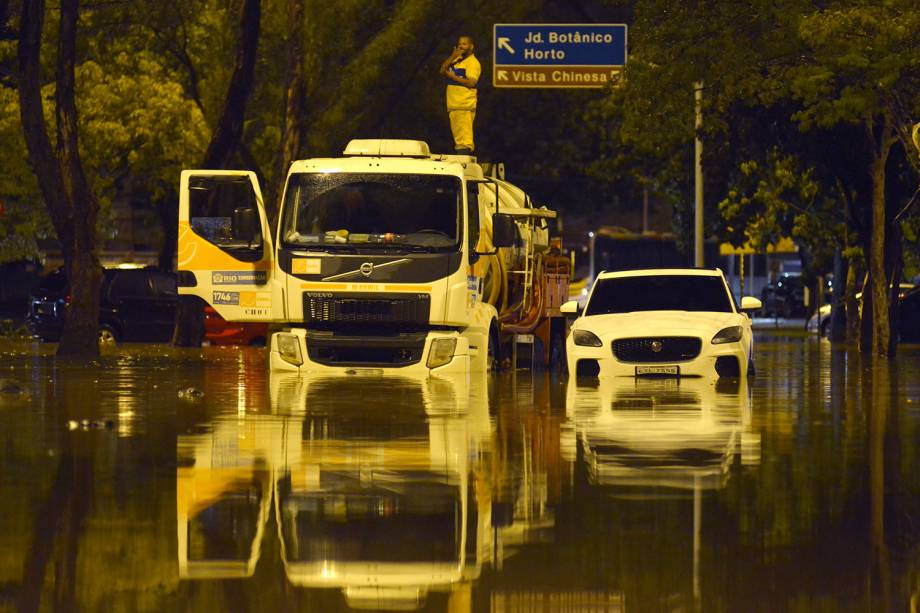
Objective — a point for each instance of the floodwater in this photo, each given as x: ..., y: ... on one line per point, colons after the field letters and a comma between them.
x: 158, y: 479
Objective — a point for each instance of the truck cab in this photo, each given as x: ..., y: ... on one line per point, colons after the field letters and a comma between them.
x: 377, y: 261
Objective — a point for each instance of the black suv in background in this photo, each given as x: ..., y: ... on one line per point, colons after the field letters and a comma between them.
x: 784, y: 297
x: 135, y: 305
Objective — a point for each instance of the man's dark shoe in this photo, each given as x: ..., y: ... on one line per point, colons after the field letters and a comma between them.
x: 463, y: 151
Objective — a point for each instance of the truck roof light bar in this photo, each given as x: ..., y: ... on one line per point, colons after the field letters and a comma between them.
x: 378, y: 147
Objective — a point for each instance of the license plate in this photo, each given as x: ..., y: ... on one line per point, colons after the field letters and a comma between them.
x: 367, y: 372
x: 656, y: 384
x: 658, y: 371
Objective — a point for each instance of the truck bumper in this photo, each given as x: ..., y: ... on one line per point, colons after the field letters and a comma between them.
x: 424, y: 353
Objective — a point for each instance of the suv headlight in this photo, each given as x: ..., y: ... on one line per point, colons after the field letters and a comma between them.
x: 731, y: 334
x: 586, y: 339
x: 289, y: 349
x: 441, y: 352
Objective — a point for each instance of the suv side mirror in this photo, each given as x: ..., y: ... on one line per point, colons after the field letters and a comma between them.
x: 243, y: 227
x: 503, y: 230
x: 569, y: 308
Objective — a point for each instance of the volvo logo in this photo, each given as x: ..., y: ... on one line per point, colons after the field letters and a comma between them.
x: 366, y: 269
x: 657, y: 346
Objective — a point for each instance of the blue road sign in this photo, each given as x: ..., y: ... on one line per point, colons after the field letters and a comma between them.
x: 557, y: 55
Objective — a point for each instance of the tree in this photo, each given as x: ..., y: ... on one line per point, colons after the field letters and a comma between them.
x: 224, y: 144
x: 293, y: 119
x: 835, y: 63
x: 72, y: 206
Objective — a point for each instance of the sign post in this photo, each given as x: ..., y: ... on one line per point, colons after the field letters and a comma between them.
x: 558, y: 55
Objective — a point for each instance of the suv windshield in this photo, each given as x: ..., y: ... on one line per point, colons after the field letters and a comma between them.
x: 660, y: 293
x: 333, y: 210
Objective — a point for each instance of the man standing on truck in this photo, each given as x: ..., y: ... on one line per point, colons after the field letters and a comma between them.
x: 462, y: 71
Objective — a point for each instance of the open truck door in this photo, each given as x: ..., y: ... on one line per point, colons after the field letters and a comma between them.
x: 225, y: 254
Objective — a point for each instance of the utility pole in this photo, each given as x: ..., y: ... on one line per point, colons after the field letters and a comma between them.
x: 698, y: 259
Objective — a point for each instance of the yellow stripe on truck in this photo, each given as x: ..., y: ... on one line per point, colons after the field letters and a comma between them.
x: 365, y: 287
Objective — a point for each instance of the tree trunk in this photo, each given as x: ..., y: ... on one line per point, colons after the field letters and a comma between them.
x: 880, y: 322
x: 295, y: 97
x: 867, y: 317
x: 229, y: 129
x: 837, y: 324
x: 854, y: 270
x: 189, y: 329
x: 71, y: 205
x: 80, y: 334
x: 168, y: 211
x: 896, y: 263
x: 41, y: 155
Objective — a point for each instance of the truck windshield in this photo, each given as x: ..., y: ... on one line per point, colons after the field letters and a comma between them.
x: 330, y: 210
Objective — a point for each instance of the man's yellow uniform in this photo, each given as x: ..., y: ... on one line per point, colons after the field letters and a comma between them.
x: 461, y: 102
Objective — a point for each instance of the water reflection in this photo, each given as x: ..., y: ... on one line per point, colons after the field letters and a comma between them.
x: 672, y: 433
x: 798, y: 493
x: 653, y: 447
x: 376, y: 488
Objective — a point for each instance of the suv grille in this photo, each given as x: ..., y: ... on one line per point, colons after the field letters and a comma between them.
x: 657, y: 349
x: 325, y: 307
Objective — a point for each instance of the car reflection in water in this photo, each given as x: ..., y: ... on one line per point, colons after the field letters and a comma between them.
x: 647, y: 441
x: 674, y: 433
x: 376, y: 492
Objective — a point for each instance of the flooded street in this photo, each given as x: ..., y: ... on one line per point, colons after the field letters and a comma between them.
x: 173, y: 480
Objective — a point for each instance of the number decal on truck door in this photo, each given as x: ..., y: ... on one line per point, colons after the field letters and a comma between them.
x: 225, y: 245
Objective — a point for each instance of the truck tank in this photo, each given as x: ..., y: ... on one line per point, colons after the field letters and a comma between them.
x: 528, y: 280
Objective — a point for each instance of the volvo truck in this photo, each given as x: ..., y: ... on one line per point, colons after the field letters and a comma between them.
x: 389, y: 258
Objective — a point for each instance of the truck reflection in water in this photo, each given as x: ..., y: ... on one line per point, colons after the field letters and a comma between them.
x: 377, y: 497
x: 663, y: 432
x: 373, y: 486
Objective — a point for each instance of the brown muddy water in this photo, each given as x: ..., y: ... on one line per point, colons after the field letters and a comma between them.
x: 157, y: 479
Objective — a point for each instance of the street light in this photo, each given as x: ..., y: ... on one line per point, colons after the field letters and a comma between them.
x: 698, y: 163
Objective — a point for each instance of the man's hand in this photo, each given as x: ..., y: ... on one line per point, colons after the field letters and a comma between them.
x: 454, y: 56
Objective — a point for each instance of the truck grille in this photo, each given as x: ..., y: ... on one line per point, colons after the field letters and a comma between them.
x: 353, y: 308
x: 331, y: 349
x: 657, y: 349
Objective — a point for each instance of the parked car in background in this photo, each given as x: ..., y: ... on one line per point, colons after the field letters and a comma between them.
x: 820, y: 321
x: 784, y: 297
x: 666, y: 322
x: 909, y: 323
x: 909, y: 298
x: 135, y: 305
x: 219, y: 331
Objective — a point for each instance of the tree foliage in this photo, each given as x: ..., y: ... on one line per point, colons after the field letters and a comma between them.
x: 780, y: 80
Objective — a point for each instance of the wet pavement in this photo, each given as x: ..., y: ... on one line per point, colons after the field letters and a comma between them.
x: 158, y: 479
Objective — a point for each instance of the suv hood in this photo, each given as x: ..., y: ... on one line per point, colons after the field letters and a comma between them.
x: 659, y: 323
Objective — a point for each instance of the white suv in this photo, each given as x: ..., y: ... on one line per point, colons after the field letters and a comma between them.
x: 673, y: 322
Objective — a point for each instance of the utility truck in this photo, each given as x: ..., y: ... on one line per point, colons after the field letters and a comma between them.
x: 389, y: 259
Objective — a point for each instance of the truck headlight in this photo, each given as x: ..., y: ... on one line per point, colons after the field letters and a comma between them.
x: 289, y: 349
x: 586, y: 339
x: 731, y: 334
x: 442, y: 351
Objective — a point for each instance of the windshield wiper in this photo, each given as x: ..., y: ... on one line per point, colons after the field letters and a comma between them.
x: 423, y: 248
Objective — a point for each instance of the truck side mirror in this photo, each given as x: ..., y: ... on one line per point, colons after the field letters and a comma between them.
x: 243, y: 227
x: 503, y: 230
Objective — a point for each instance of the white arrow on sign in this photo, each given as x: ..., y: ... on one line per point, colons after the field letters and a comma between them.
x: 505, y: 43
x: 502, y: 75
